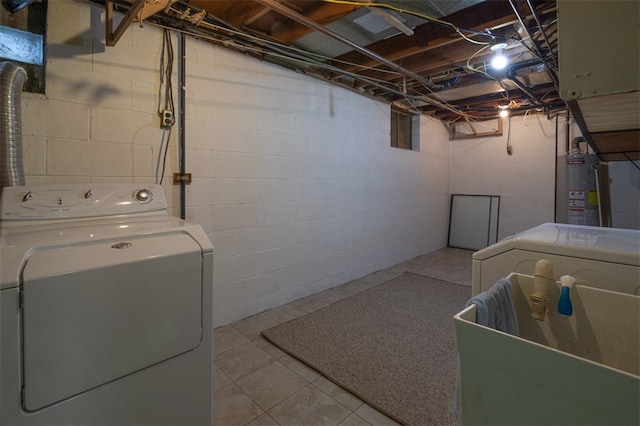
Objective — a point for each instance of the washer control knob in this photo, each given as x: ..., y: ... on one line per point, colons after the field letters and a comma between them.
x: 143, y: 195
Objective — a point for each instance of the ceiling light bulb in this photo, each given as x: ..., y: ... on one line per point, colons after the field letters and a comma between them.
x: 499, y: 61
x: 504, y: 113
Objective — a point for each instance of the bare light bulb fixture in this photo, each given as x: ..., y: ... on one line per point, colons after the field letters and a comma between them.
x: 504, y: 110
x: 499, y: 61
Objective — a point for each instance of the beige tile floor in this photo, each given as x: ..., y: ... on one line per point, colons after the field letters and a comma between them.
x: 255, y: 383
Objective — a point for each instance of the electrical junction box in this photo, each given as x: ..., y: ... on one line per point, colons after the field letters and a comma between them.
x: 166, y: 121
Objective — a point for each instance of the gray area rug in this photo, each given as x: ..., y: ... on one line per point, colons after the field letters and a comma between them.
x: 392, y: 345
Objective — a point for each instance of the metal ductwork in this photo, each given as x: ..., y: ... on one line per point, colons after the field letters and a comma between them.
x: 13, y: 6
x: 12, y: 79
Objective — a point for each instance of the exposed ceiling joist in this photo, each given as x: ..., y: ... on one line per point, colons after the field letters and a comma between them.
x: 441, y: 65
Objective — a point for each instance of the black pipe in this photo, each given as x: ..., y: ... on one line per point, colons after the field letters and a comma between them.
x: 444, y: 84
x: 568, y: 135
x: 555, y: 176
x: 534, y: 46
x: 544, y: 36
x: 181, y: 125
x: 554, y: 104
x: 511, y: 74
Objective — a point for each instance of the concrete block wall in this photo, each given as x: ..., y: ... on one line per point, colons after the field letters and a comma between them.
x: 525, y: 180
x: 294, y: 180
x: 296, y: 183
x: 97, y: 121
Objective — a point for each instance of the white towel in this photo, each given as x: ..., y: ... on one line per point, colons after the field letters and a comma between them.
x: 495, y: 308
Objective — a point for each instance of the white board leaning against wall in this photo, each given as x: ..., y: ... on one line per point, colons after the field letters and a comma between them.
x: 473, y: 221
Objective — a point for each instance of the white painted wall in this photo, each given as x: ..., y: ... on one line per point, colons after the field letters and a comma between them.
x: 293, y: 179
x: 624, y: 177
x: 525, y: 180
x: 97, y: 122
x: 297, y: 185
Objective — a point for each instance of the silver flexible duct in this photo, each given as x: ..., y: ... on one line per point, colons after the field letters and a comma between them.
x: 12, y: 78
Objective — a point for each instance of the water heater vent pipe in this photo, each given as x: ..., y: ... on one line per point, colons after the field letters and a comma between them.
x: 575, y: 145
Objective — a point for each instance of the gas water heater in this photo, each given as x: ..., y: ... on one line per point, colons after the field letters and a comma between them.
x: 582, y: 192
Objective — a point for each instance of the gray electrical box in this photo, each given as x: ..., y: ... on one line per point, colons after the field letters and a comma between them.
x: 599, y: 47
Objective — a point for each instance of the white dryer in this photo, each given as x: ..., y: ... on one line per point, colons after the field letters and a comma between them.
x: 606, y: 258
x: 105, y: 304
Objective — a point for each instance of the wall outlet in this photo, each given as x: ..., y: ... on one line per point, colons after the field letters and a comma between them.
x: 166, y: 119
x: 178, y: 178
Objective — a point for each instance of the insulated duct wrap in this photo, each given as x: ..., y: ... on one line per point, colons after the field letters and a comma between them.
x: 12, y: 78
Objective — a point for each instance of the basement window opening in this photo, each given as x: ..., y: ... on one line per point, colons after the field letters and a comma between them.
x: 405, y: 130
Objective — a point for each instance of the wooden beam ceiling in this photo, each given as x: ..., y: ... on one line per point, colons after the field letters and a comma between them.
x: 396, y: 67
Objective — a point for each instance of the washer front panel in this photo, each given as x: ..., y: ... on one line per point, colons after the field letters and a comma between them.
x: 95, y: 312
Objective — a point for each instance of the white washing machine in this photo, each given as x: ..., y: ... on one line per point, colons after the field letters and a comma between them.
x: 607, y: 258
x: 105, y: 308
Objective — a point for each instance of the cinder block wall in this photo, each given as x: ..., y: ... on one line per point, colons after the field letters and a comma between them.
x: 97, y: 121
x: 525, y: 180
x: 297, y: 184
x: 294, y: 180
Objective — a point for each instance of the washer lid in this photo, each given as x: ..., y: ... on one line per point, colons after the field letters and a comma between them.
x: 98, y: 311
x: 17, y: 242
x: 588, y: 242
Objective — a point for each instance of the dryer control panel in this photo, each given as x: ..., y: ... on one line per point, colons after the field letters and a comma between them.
x: 72, y: 201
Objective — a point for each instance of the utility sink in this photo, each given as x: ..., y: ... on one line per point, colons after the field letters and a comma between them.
x: 579, y: 369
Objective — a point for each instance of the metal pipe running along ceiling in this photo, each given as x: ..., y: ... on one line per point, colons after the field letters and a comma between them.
x: 178, y: 15
x: 280, y: 8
